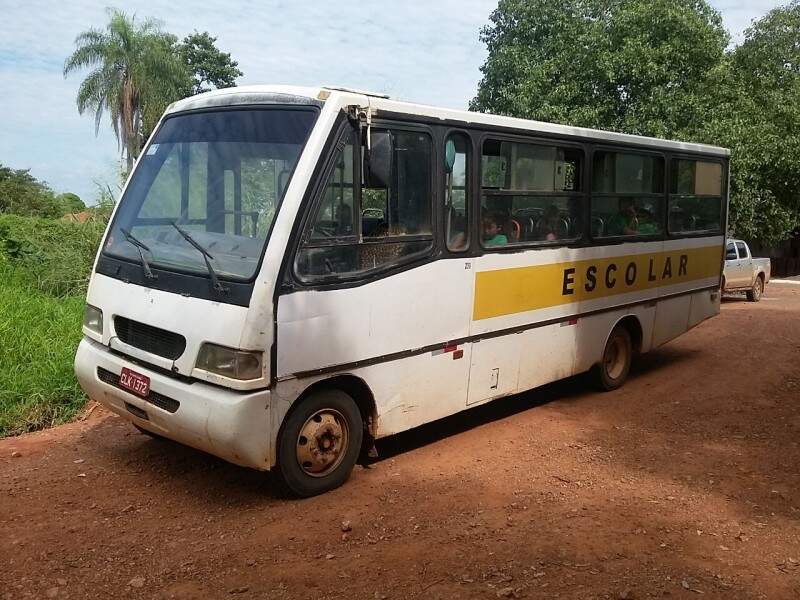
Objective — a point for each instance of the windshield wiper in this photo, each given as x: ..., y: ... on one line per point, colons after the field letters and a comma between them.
x: 140, y: 247
x: 206, y: 255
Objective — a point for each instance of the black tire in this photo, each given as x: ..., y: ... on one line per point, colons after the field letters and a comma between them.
x: 615, y: 364
x: 323, y: 419
x: 754, y: 294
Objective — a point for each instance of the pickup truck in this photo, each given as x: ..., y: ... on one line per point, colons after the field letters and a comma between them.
x: 743, y: 273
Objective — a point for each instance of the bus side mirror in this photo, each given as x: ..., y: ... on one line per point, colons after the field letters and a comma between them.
x: 378, y: 161
x: 449, y: 156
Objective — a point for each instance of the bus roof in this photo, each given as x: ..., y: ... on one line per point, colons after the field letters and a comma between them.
x: 267, y: 94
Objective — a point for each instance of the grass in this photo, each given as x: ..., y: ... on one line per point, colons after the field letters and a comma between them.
x: 52, y: 256
x: 38, y: 337
x: 44, y: 269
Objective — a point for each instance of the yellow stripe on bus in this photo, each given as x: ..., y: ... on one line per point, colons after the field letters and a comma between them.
x: 520, y: 289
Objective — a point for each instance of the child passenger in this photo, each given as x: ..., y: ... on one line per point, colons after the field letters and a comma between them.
x: 491, y: 232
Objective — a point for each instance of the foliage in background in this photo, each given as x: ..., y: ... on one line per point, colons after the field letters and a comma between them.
x: 38, y: 338
x: 209, y: 67
x: 660, y: 67
x: 642, y: 67
x: 70, y: 203
x: 44, y: 268
x: 760, y: 122
x: 54, y: 257
x: 23, y: 194
x: 138, y: 70
x: 132, y: 67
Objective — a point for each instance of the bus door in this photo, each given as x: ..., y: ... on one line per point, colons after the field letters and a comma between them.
x: 374, y: 299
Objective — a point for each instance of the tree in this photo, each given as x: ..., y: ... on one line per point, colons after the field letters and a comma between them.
x: 23, y: 194
x: 661, y: 68
x: 133, y: 68
x: 206, y: 64
x: 203, y: 63
x: 69, y: 203
x: 761, y: 124
x: 646, y: 67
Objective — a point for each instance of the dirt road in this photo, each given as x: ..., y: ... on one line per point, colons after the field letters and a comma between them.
x: 684, y: 484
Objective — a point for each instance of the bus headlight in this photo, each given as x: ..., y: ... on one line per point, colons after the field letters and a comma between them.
x: 236, y: 364
x: 93, y: 319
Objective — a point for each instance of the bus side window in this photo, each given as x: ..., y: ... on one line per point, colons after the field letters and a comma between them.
x: 355, y: 233
x: 456, y: 193
x: 695, y: 196
x: 530, y: 193
x: 627, y: 194
x: 328, y: 242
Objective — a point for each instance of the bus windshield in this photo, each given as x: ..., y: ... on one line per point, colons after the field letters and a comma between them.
x: 218, y: 176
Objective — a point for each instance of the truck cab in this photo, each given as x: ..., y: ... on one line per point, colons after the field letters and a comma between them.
x: 743, y: 273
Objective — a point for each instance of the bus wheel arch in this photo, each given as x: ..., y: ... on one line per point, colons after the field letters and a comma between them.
x: 358, y: 390
x: 623, y: 342
x: 324, y: 435
x: 634, y: 327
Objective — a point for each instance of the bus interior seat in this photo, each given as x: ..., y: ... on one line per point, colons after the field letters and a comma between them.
x: 598, y: 227
x: 513, y: 231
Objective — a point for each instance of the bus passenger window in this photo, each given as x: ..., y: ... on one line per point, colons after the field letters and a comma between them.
x: 627, y: 194
x: 530, y: 193
x: 695, y: 196
x: 456, y: 196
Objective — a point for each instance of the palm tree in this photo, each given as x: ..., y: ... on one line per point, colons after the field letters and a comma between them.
x: 135, y: 75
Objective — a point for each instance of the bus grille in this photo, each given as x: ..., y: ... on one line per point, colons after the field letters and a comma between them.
x: 150, y: 339
x: 159, y: 400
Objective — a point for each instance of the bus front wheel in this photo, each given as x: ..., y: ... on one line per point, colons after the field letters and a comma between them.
x: 319, y: 443
x: 612, y: 371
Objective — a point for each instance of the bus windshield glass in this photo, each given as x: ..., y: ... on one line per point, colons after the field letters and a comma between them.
x: 218, y: 176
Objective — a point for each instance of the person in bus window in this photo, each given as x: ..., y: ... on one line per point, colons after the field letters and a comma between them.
x: 551, y: 223
x: 491, y: 232
x: 625, y: 222
x: 647, y: 222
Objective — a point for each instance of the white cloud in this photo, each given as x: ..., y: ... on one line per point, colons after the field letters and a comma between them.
x: 416, y: 50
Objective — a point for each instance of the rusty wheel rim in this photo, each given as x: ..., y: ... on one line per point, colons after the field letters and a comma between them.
x: 322, y: 442
x: 615, y: 358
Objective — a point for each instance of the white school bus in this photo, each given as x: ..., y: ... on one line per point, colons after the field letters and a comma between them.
x: 293, y: 273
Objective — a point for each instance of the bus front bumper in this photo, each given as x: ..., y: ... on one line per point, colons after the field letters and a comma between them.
x: 228, y: 424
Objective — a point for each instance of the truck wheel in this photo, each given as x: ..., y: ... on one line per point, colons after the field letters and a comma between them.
x: 754, y: 295
x: 319, y: 443
x: 612, y: 371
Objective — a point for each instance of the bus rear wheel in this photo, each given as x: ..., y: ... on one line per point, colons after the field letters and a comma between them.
x: 319, y: 443
x: 613, y: 369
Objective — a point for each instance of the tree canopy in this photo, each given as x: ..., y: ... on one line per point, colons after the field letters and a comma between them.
x: 132, y: 67
x: 660, y: 68
x: 21, y: 193
x: 760, y: 122
x: 206, y: 64
x: 70, y: 203
x: 137, y: 70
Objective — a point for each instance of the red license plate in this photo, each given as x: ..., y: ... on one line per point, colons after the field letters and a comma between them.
x: 134, y: 382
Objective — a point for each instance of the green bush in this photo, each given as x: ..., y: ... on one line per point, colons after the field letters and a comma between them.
x: 39, y: 334
x: 53, y: 256
x: 44, y: 268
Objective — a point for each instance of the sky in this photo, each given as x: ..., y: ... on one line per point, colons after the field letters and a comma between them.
x: 427, y: 51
